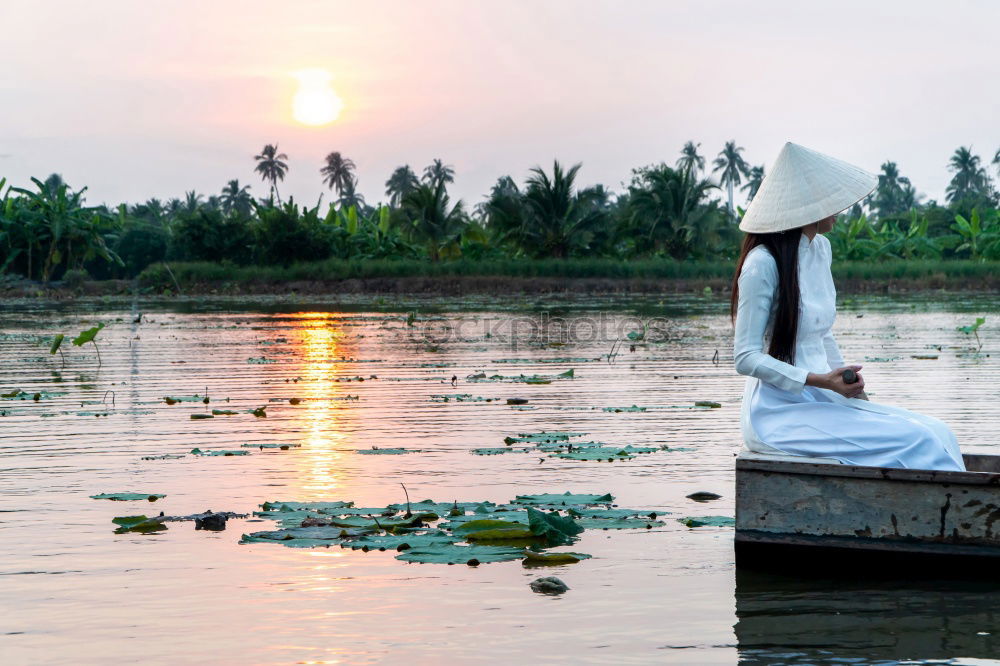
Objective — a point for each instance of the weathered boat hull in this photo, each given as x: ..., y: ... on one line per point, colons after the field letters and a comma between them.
x: 786, y: 508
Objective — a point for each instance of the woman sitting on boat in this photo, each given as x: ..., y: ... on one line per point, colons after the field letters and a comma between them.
x: 797, y: 399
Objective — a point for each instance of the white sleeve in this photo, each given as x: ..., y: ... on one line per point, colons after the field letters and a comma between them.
x: 758, y: 283
x: 833, y: 355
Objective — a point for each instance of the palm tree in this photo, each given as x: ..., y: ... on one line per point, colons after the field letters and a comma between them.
x: 669, y: 210
x: 754, y: 180
x: 893, y: 192
x: 433, y: 220
x: 235, y: 198
x: 733, y: 167
x: 439, y: 172
x: 557, y: 219
x: 349, y: 196
x: 970, y: 177
x: 271, y: 166
x: 192, y: 200
x: 690, y: 159
x: 338, y: 173
x: 400, y: 183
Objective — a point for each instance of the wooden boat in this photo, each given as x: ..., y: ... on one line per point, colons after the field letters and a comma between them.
x: 797, y: 511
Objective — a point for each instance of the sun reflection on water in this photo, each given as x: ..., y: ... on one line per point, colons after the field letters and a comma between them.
x: 326, y: 412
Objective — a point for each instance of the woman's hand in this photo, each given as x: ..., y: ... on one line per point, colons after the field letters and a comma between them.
x: 834, y: 381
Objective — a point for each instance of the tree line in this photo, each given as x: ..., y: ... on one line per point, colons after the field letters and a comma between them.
x: 683, y: 210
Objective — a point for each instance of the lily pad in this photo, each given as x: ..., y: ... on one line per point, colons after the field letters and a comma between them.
x: 399, y: 542
x: 219, y: 452
x: 304, y: 506
x: 137, y: 524
x: 164, y: 456
x: 618, y: 523
x: 459, y: 554
x: 583, y: 512
x: 565, y: 499
x: 384, y: 452
x: 633, y: 408
x: 272, y: 445
x: 224, y: 412
x: 596, y: 453
x: 497, y: 451
x: 129, y: 497
x: 260, y: 360
x: 708, y: 403
x: 202, y: 416
x: 708, y: 521
x: 171, y: 399
x: 555, y: 529
x: 534, y: 559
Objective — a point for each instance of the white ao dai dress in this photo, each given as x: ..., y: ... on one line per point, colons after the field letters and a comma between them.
x: 781, y: 415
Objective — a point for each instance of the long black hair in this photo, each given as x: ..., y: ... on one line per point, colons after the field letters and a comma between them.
x: 784, y: 247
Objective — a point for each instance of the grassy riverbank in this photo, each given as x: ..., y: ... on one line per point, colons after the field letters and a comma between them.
x: 507, y: 277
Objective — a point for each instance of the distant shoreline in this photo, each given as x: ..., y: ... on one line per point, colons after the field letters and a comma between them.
x: 501, y: 278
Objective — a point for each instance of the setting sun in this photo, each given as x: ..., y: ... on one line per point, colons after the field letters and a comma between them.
x: 315, y: 102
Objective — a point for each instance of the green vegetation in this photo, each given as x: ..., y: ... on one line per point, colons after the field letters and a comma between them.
x: 667, y: 222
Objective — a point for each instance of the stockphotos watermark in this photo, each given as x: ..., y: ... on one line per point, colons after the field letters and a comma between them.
x: 544, y: 328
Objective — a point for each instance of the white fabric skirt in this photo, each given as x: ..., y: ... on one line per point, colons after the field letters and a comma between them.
x: 824, y: 424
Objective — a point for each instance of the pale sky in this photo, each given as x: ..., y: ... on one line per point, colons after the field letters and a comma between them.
x: 153, y: 98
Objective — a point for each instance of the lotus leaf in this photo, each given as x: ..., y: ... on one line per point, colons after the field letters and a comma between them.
x: 458, y: 554
x: 512, y: 533
x: 219, y: 452
x: 533, y: 559
x: 708, y: 403
x: 582, y: 512
x: 707, y: 521
x: 596, y: 453
x: 565, y: 499
x: 202, y: 416
x: 137, y: 524
x: 384, y: 452
x: 304, y: 506
x: 311, y: 533
x: 555, y: 529
x: 165, y: 456
x: 171, y: 399
x: 633, y: 408
x: 618, y: 523
x: 271, y: 445
x: 260, y: 360
x: 224, y: 412
x: 443, y: 508
x: 129, y: 497
x: 496, y: 451
x: 399, y: 542
x: 56, y: 343
x: 487, y: 524
x: 87, y: 336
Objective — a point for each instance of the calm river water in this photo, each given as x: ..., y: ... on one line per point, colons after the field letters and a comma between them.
x: 75, y: 592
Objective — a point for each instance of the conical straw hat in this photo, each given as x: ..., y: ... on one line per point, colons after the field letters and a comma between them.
x: 805, y: 187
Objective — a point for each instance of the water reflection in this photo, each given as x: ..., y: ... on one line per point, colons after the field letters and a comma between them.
x: 322, y: 418
x: 799, y: 620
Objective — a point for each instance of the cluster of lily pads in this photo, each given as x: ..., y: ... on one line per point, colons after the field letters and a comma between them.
x: 558, y: 444
x: 453, y: 532
x: 525, y: 379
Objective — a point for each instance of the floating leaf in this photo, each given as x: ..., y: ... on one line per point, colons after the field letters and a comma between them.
x: 129, y: 497
x: 618, y: 523
x: 596, y: 453
x: 165, y: 456
x: 260, y: 360
x: 583, y: 512
x: 219, y: 452
x: 399, y: 542
x: 633, y: 408
x: 566, y: 498
x: 708, y: 403
x: 925, y: 357
x: 304, y: 506
x: 223, y: 412
x: 497, y: 451
x: 707, y: 521
x: 703, y: 496
x: 458, y: 554
x: 172, y: 399
x: 137, y: 524
x: 259, y: 412
x: 202, y: 416
x: 271, y: 445
x: 533, y: 559
x: 384, y: 452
